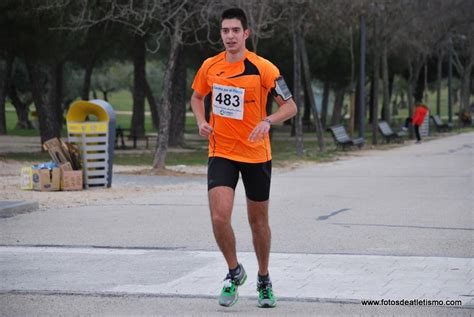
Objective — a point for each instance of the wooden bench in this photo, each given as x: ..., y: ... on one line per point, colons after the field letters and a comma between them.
x: 440, y: 125
x: 119, y: 136
x: 342, y: 139
x: 388, y: 133
x: 134, y: 138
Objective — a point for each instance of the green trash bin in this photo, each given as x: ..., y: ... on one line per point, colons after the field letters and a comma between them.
x: 95, y: 139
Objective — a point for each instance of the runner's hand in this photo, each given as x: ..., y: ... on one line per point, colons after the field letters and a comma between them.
x: 259, y: 131
x: 205, y: 129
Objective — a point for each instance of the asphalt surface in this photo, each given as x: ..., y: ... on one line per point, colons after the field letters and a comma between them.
x: 410, y: 205
x: 12, y: 208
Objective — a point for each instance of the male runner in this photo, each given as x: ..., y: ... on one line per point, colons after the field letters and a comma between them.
x: 240, y: 82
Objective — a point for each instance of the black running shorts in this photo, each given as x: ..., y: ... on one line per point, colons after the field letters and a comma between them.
x: 256, y: 176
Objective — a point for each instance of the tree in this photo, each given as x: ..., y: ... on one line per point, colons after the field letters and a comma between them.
x: 297, y: 43
x: 165, y: 113
x: 182, y: 21
x: 6, y: 69
x: 19, y: 94
x: 178, y: 102
x: 463, y: 56
x: 112, y: 76
x: 27, y: 34
x: 309, y: 93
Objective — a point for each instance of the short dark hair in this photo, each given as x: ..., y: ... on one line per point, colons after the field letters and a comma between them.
x: 235, y: 13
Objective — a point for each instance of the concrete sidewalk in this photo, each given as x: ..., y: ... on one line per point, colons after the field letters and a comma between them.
x: 311, y: 277
x: 392, y: 225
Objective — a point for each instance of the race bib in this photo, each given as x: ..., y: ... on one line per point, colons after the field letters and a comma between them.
x: 228, y: 101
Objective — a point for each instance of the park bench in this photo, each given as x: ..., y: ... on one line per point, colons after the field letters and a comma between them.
x: 134, y: 138
x: 119, y: 135
x: 342, y: 139
x: 388, y: 133
x: 440, y: 125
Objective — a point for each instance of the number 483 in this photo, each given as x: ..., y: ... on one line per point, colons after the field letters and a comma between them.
x: 228, y: 100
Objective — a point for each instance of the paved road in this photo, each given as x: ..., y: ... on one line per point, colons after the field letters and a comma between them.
x: 394, y: 224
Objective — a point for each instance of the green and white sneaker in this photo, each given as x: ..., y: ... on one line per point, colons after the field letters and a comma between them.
x: 265, y: 295
x: 230, y: 294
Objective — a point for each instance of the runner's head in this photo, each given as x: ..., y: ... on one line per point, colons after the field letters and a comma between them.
x: 234, y: 30
x: 235, y: 13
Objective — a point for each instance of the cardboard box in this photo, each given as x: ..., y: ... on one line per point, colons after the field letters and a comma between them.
x: 71, y: 180
x: 26, y: 178
x: 46, y: 179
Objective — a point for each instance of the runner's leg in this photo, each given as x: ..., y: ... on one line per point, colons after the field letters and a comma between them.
x: 257, y: 179
x: 221, y: 201
x: 258, y: 218
x: 417, y: 132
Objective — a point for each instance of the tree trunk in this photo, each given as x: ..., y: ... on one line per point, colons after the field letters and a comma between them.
x: 325, y: 103
x: 306, y: 120
x: 414, y: 71
x: 464, y: 70
x: 178, y: 102
x: 419, y: 88
x: 395, y: 106
x: 409, y: 91
x: 310, y: 95
x: 338, y: 104
x: 391, y: 79
x: 386, y: 113
x: 4, y: 84
x: 403, y: 102
x: 465, y: 88
x: 21, y: 108
x: 155, y: 119
x: 43, y: 85
x: 371, y: 94
x: 139, y: 83
x: 439, y: 74
x: 87, y: 80
x: 297, y: 88
x: 410, y: 103
x: 455, y: 96
x: 58, y: 95
x: 375, y: 101
x: 165, y: 113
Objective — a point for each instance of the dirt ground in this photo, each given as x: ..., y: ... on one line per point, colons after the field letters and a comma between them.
x: 10, y: 179
x: 10, y: 186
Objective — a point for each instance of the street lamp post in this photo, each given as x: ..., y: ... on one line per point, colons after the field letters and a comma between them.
x: 361, y: 85
x: 450, y: 77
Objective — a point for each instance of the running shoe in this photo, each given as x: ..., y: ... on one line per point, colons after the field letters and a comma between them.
x: 265, y: 295
x: 230, y: 294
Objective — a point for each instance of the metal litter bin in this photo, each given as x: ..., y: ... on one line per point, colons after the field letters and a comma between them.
x: 425, y: 126
x: 94, y: 138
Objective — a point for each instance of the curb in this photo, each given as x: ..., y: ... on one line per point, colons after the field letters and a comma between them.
x: 10, y: 208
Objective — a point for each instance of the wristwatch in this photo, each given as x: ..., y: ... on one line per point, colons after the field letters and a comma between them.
x: 268, y: 120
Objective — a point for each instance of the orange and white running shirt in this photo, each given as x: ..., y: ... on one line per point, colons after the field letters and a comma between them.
x: 239, y: 97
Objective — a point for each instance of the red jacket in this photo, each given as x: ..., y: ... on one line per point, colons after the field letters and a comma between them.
x: 419, y: 115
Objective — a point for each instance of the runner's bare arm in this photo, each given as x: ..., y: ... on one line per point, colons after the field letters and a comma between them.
x: 286, y: 110
x: 197, y: 104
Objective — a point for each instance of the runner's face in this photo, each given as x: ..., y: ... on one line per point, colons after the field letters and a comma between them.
x: 233, y: 35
